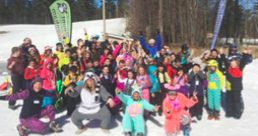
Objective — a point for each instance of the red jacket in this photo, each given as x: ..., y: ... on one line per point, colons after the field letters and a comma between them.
x: 31, y: 73
x: 171, y: 72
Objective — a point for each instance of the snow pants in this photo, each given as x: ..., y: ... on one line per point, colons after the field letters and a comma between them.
x: 18, y: 84
x: 134, y: 125
x: 235, y: 105
x: 103, y: 115
x: 214, y: 97
x: 197, y: 109
x: 34, y: 124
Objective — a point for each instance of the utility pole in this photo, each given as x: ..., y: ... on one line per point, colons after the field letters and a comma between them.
x: 104, y: 18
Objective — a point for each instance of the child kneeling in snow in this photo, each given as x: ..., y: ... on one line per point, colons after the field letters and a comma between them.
x: 133, y: 121
x: 177, y: 117
x: 32, y: 110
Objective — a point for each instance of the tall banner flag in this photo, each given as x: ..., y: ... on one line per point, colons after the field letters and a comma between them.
x: 221, y: 10
x: 61, y: 14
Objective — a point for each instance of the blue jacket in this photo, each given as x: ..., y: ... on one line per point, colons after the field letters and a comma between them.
x: 154, y: 81
x: 152, y: 50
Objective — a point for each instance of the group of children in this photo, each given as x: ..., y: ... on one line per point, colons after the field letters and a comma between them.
x: 97, y: 80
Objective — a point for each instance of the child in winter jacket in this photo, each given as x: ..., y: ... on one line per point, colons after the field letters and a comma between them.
x: 144, y: 82
x: 49, y: 80
x: 71, y: 80
x: 153, y: 46
x: 133, y: 121
x: 234, y: 84
x: 163, y: 78
x: 15, y: 64
x: 31, y: 72
x: 107, y: 80
x: 154, y: 89
x: 128, y: 82
x: 196, y: 80
x: 174, y: 106
x: 32, y: 110
x: 215, y: 83
x: 181, y: 79
x: 122, y: 73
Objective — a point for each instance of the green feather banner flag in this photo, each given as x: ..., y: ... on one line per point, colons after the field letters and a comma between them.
x: 61, y: 14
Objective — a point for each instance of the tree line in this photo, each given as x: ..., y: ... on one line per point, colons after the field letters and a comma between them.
x: 180, y: 21
x: 37, y: 11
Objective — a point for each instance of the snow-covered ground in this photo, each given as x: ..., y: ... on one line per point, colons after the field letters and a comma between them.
x: 45, y: 35
x: 246, y: 126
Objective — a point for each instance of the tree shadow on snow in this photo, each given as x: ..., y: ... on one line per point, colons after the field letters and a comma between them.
x: 153, y: 120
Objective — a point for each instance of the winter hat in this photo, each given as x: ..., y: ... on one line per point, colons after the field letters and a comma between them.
x: 171, y: 89
x: 93, y: 76
x: 184, y: 47
x: 96, y: 36
x: 152, y: 41
x: 31, y: 48
x: 35, y: 80
x: 47, y: 48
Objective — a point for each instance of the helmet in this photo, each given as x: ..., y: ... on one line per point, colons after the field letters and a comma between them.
x: 233, y: 47
x: 152, y: 41
x: 212, y: 63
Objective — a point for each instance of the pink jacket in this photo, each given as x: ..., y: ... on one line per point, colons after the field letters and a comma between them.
x: 172, y: 119
x: 48, y: 76
x: 180, y: 80
x: 146, y: 83
x: 116, y: 50
x: 102, y: 59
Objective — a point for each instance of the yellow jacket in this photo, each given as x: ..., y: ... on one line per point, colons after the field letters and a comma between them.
x: 215, y: 81
x: 68, y: 79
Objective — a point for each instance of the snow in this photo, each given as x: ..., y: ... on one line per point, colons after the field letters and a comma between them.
x: 45, y: 35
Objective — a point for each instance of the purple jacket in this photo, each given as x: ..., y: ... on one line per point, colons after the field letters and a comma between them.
x: 32, y: 105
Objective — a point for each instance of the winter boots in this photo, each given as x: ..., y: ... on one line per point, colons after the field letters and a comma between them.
x: 22, y: 130
x: 54, y: 127
x: 128, y: 134
x: 79, y: 131
x: 139, y: 134
x: 214, y: 115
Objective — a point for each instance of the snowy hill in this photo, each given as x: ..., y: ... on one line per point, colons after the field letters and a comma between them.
x: 43, y: 35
